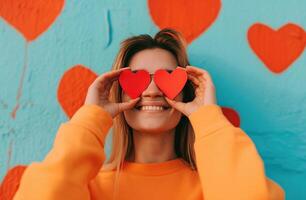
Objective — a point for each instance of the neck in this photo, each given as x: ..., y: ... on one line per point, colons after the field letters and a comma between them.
x: 151, y: 148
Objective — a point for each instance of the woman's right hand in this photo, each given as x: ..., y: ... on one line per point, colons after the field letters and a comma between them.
x: 98, y: 93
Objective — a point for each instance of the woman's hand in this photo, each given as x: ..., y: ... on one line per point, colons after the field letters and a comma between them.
x: 98, y: 93
x: 204, y: 91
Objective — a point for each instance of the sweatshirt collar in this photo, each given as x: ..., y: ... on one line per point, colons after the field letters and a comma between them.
x: 154, y: 169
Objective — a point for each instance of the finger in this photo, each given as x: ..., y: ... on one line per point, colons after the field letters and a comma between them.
x: 112, y: 74
x: 104, y: 84
x: 194, y: 86
x: 109, y: 84
x: 194, y: 73
x: 175, y: 104
x: 199, y: 92
x: 206, y: 74
x: 128, y: 105
x: 183, y: 68
x: 196, y: 69
x: 198, y: 83
x: 109, y: 77
x: 103, y: 81
x: 194, y: 80
x: 189, y: 76
x: 203, y: 77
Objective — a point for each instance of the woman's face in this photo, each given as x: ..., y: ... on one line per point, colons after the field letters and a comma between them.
x: 141, y: 118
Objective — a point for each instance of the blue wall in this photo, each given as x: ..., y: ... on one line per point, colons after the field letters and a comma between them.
x: 272, y: 107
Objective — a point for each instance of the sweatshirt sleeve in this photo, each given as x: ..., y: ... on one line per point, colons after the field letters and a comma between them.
x: 75, y: 158
x: 228, y: 163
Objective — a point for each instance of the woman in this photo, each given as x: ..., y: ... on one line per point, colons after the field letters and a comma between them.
x: 183, y: 148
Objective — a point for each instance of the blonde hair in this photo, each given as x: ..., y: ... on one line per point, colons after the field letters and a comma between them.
x: 122, y: 138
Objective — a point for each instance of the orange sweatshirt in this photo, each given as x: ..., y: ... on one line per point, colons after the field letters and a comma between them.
x: 229, y: 166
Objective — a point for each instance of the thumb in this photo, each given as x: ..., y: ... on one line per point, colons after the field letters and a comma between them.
x: 176, y: 104
x: 128, y: 105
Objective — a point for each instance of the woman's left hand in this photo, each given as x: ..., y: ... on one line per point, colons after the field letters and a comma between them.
x: 204, y: 91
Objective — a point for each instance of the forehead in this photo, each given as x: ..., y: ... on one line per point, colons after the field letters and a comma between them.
x: 152, y: 60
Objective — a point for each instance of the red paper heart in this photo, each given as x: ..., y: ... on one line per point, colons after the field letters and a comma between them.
x: 170, y: 84
x: 191, y: 18
x: 133, y: 84
x: 277, y: 49
x: 73, y: 86
x: 30, y: 18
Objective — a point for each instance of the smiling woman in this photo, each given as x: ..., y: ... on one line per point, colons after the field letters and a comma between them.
x: 165, y: 51
x: 163, y: 148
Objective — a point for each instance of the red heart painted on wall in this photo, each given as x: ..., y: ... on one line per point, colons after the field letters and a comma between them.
x: 11, y: 182
x: 191, y: 18
x: 73, y: 86
x: 232, y: 115
x: 170, y: 84
x: 30, y: 18
x: 277, y: 49
x: 133, y: 84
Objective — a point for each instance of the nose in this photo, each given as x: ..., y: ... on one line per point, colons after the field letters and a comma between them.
x: 152, y: 90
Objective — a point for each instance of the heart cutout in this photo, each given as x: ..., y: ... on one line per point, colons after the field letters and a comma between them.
x: 277, y: 49
x: 133, y: 84
x: 170, y: 84
x: 191, y: 18
x: 73, y: 86
x: 30, y: 18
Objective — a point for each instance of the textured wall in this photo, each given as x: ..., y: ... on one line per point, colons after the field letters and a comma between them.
x: 52, y: 50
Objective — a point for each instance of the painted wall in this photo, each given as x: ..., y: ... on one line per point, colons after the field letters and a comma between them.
x: 51, y: 52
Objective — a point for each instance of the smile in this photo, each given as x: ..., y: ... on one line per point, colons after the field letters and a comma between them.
x: 152, y: 108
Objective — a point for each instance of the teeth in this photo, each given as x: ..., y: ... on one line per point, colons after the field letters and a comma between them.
x: 151, y: 108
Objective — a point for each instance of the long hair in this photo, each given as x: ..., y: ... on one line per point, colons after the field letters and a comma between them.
x: 122, y: 138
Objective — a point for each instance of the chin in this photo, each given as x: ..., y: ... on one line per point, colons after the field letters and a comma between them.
x: 151, y: 125
x: 156, y: 129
